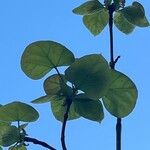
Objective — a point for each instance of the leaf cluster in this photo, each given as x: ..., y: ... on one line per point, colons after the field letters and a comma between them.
x: 96, y: 15
x: 87, y: 85
x: 12, y: 135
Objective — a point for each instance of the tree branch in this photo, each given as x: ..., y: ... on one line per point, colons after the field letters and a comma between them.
x: 69, y: 102
x: 35, y: 141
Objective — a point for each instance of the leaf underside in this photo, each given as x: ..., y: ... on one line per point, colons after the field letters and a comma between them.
x: 121, y: 97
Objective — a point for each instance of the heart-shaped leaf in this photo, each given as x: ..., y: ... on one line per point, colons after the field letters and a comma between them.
x: 90, y: 74
x: 135, y: 14
x: 18, y: 111
x: 41, y: 57
x: 88, y: 7
x: 56, y: 85
x: 97, y: 21
x: 9, y: 135
x: 88, y: 108
x: 59, y: 109
x: 122, y: 23
x: 121, y: 97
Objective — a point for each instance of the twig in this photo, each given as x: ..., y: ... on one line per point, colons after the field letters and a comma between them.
x: 35, y: 141
x: 116, y: 60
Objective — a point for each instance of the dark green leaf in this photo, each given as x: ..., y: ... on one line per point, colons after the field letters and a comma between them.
x: 97, y: 21
x: 43, y: 99
x: 135, y: 14
x: 54, y: 85
x: 90, y: 74
x: 59, y: 108
x: 41, y: 57
x: 88, y: 108
x: 8, y: 135
x: 18, y: 111
x: 88, y: 7
x: 121, y: 97
x: 122, y: 23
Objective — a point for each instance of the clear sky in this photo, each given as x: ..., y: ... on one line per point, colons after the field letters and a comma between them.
x: 26, y: 21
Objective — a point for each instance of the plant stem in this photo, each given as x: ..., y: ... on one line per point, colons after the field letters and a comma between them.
x: 111, y: 10
x: 61, y: 78
x: 69, y: 102
x: 35, y: 141
x: 112, y: 66
x: 118, y: 133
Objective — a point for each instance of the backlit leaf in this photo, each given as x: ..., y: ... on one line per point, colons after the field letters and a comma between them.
x: 56, y: 85
x: 18, y: 111
x: 8, y: 135
x: 90, y: 74
x: 59, y: 108
x: 41, y: 57
x: 88, y: 7
x: 88, y: 108
x: 122, y: 23
x: 121, y: 97
x: 135, y: 14
x: 97, y: 21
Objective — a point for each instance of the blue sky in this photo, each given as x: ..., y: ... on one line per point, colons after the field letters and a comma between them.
x: 26, y: 21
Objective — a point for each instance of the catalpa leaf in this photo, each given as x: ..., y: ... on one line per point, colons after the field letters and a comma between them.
x: 122, y: 23
x: 59, y: 108
x: 97, y: 21
x: 41, y: 57
x: 88, y: 108
x: 135, y: 14
x: 121, y: 97
x: 88, y: 7
x: 18, y: 111
x: 9, y: 135
x: 90, y: 74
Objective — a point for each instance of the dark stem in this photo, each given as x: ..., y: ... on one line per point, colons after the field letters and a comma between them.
x: 18, y: 124
x: 118, y: 133
x: 69, y: 102
x: 112, y: 66
x: 61, y: 78
x: 111, y: 11
x: 35, y: 141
